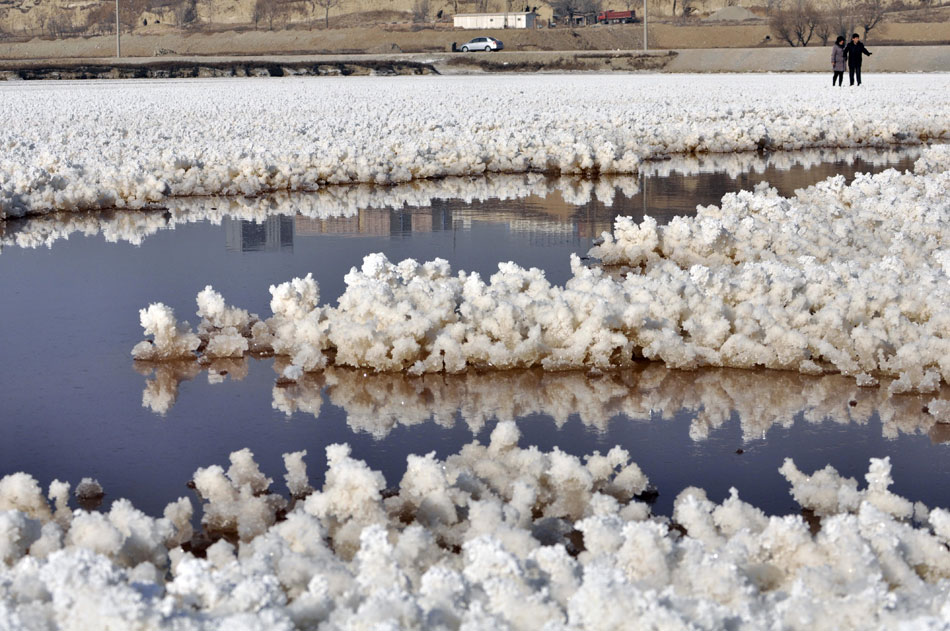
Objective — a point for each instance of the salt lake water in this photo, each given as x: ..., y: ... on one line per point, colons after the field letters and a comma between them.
x: 74, y: 404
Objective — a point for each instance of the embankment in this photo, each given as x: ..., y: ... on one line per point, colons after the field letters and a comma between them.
x: 885, y: 59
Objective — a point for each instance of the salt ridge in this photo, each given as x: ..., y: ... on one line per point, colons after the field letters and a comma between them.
x: 840, y: 278
x: 328, y: 202
x: 99, y: 145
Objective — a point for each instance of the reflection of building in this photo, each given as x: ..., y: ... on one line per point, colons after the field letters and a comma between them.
x: 378, y: 223
x: 272, y: 234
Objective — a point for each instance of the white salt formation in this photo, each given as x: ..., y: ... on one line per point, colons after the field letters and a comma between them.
x: 846, y: 278
x: 76, y: 146
x: 494, y: 537
x: 171, y: 339
x: 344, y: 201
x: 840, y: 278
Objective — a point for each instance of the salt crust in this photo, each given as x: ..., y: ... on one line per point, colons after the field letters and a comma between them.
x: 840, y: 278
x: 331, y: 202
x: 82, y: 146
x: 494, y: 537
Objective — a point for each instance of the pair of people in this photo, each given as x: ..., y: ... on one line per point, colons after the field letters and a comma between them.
x: 850, y: 54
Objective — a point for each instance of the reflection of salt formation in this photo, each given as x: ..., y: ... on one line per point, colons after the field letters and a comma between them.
x: 93, y: 151
x: 325, y: 203
x: 339, y: 202
x: 161, y: 390
x: 840, y: 278
x: 735, y: 164
x: 377, y: 403
x: 493, y: 537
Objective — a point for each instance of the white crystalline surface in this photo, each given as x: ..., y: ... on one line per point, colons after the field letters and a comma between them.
x: 332, y: 202
x: 493, y: 537
x: 74, y: 146
x: 840, y: 278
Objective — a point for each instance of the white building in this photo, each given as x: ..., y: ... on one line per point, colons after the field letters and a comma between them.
x: 495, y: 20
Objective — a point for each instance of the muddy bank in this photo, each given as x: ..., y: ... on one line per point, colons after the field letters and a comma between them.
x: 334, y: 65
x: 623, y: 61
x: 190, y: 68
x: 734, y: 60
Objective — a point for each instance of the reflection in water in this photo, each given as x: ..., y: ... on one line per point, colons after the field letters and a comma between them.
x: 271, y: 235
x: 77, y: 303
x: 547, y: 207
x: 377, y: 403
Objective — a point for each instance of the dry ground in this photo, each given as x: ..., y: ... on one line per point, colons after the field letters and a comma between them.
x: 386, y: 39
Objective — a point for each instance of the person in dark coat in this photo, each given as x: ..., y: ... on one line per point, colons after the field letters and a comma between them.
x: 838, y: 61
x: 853, y: 52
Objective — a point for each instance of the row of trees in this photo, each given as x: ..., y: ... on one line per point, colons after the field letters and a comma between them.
x: 279, y: 11
x: 798, y: 22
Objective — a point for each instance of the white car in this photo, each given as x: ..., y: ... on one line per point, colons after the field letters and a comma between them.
x: 488, y: 44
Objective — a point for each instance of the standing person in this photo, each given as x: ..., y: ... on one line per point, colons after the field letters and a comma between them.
x: 837, y: 61
x: 853, y: 52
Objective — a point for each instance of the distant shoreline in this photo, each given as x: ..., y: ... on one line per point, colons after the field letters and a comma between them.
x: 722, y: 60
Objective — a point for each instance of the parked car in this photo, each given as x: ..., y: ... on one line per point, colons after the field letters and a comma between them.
x: 488, y: 44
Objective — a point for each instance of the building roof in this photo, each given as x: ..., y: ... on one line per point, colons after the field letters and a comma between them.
x: 472, y: 15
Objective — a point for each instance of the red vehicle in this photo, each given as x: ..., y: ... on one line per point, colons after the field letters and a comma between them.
x: 617, y: 17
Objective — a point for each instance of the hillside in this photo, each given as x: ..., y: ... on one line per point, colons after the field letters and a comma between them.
x: 63, y: 28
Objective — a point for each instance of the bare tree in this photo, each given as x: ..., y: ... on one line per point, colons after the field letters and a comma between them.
x: 60, y: 26
x: 326, y: 5
x: 780, y: 23
x: 260, y: 13
x: 269, y: 11
x: 797, y: 23
x: 689, y: 7
x: 570, y: 8
x: 842, y: 15
x: 869, y: 14
x: 825, y: 28
x: 771, y: 6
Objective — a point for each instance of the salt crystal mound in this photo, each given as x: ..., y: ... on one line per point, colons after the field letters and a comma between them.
x: 840, y: 278
x: 104, y: 145
x: 493, y: 537
x: 849, y: 278
x: 343, y: 201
